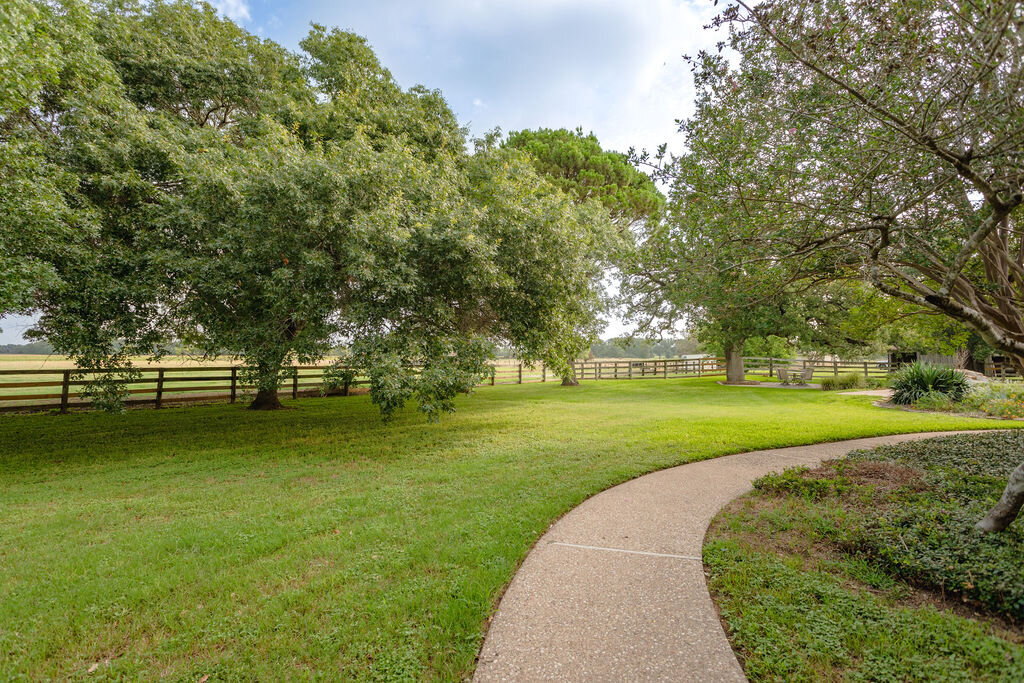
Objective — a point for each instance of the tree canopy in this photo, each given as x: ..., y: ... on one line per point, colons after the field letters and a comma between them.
x: 580, y: 167
x: 700, y: 266
x: 878, y: 141
x: 267, y: 205
x: 893, y: 149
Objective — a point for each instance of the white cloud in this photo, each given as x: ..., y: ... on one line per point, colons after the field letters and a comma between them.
x: 613, y: 67
x: 12, y: 328
x: 236, y: 10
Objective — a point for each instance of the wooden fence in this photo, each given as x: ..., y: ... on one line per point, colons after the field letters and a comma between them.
x: 1001, y: 369
x: 62, y: 389
x: 867, y: 368
x: 649, y: 368
x: 159, y: 386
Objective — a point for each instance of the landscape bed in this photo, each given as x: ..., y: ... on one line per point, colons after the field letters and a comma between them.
x: 318, y: 541
x: 870, y: 568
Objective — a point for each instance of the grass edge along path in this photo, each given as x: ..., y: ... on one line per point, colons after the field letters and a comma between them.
x: 318, y: 541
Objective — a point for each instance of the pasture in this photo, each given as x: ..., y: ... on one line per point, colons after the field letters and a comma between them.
x: 319, y: 542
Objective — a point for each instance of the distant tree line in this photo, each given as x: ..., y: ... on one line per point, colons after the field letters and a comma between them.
x: 35, y: 348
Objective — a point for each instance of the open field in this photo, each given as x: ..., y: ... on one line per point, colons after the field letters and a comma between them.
x: 318, y: 541
x: 27, y: 361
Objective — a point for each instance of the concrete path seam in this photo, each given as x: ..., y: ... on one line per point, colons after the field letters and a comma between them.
x: 623, y: 550
x: 623, y: 613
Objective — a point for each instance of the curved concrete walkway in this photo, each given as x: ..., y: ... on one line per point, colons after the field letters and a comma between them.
x: 615, y: 590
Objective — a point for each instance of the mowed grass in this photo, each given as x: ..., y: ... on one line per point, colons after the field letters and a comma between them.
x: 320, y: 542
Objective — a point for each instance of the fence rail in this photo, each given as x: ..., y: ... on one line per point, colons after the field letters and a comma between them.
x: 157, y: 386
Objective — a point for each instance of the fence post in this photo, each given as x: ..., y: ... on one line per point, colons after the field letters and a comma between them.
x: 295, y: 382
x: 234, y: 383
x: 771, y: 367
x: 159, y: 388
x: 700, y: 367
x: 664, y: 369
x: 64, y: 390
x: 865, y: 369
x: 835, y: 366
x: 520, y: 373
x: 630, y: 375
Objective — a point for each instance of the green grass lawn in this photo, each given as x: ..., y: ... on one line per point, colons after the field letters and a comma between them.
x: 318, y: 541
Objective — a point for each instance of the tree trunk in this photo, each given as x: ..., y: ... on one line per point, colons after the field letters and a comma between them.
x: 268, y: 381
x: 734, y: 363
x: 266, y: 399
x: 1006, y: 510
x: 569, y: 379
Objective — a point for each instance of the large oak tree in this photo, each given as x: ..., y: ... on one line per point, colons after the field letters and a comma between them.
x: 896, y: 131
x: 266, y: 205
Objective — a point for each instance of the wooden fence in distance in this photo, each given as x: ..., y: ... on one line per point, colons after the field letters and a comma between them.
x: 62, y: 389
x: 649, y: 368
x: 159, y: 386
x: 867, y: 368
x: 1001, y: 369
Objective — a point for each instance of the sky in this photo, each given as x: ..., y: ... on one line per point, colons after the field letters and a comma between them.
x: 612, y: 67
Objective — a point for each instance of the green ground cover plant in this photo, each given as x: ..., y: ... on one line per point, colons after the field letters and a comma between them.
x: 318, y: 541
x: 870, y: 568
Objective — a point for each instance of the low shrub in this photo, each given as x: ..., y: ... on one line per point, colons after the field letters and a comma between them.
x: 850, y: 380
x: 935, y: 400
x: 878, y: 382
x: 912, y: 382
x: 928, y: 537
x: 998, y: 399
x: 793, y: 482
